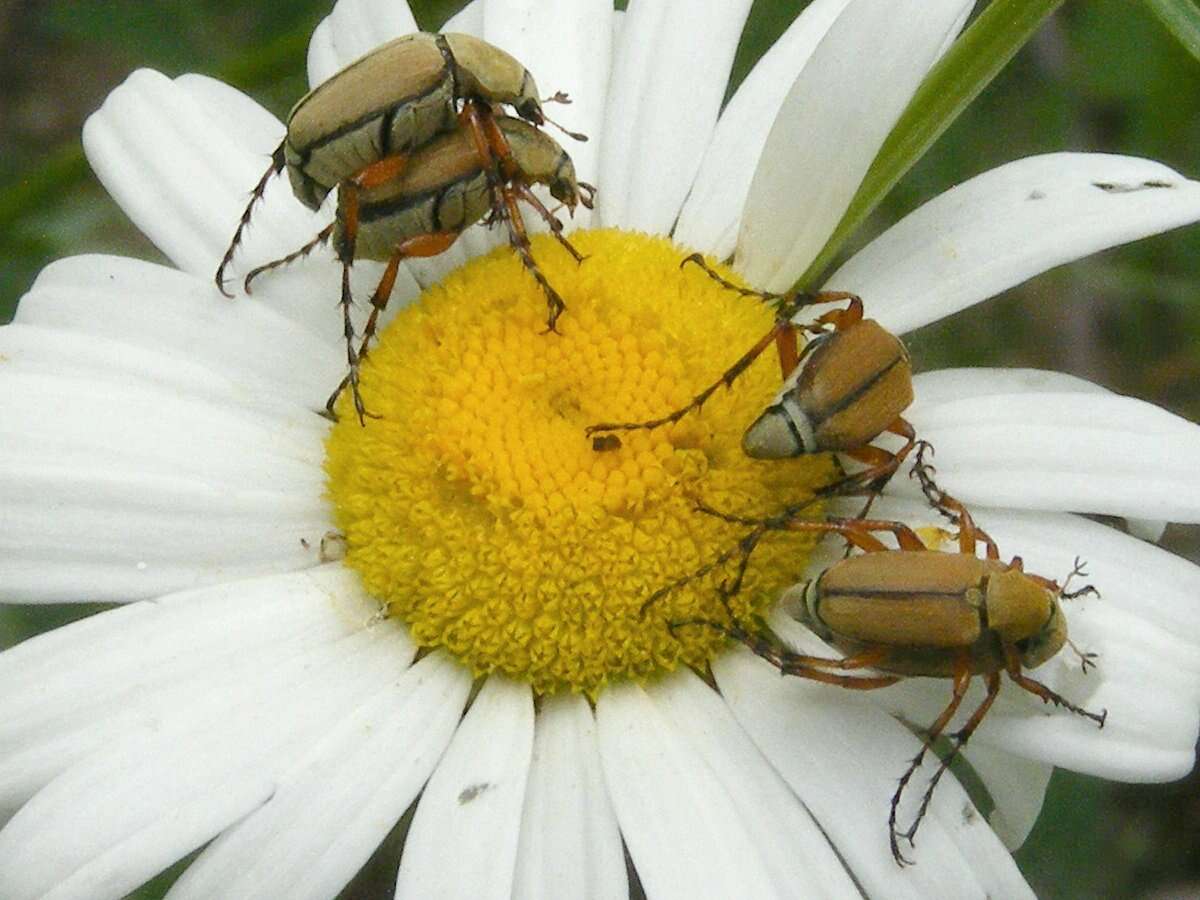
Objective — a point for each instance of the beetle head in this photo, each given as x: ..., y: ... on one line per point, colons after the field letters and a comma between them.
x: 801, y: 602
x: 566, y: 189
x: 486, y: 72
x: 1047, y: 641
x: 530, y: 109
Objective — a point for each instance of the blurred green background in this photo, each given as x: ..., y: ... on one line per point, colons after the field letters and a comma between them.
x: 1100, y: 75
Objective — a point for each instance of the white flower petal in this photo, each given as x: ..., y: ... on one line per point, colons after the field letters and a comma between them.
x: 949, y: 385
x: 200, y: 492
x: 668, y: 80
x: 683, y: 830
x: 1007, y: 225
x: 463, y: 839
x: 1092, y: 452
x: 338, y: 801
x: 132, y: 667
x: 794, y: 849
x: 713, y: 211
x: 567, y: 47
x: 156, y: 308
x: 1150, y: 530
x: 242, y: 118
x: 61, y: 420
x: 468, y: 20
x: 353, y: 29
x: 570, y: 846
x: 126, y: 812
x: 183, y: 175
x: 842, y: 756
x: 1143, y: 626
x: 832, y: 124
x: 1017, y: 786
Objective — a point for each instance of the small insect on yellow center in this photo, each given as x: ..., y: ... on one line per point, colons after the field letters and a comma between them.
x: 478, y: 511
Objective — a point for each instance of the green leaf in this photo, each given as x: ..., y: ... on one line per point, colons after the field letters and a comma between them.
x: 1182, y: 19
x: 957, y: 79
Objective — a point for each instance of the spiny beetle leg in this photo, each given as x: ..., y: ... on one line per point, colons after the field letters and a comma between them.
x: 727, y: 378
x: 277, y: 164
x: 519, y: 239
x: 1012, y: 665
x: 554, y: 223
x: 962, y: 680
x: 322, y: 237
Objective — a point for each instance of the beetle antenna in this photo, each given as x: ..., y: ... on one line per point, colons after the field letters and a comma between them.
x: 574, y: 135
x: 1078, y: 570
x: 1086, y: 658
x: 559, y: 97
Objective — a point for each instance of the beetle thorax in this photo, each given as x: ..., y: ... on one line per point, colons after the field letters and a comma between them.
x: 491, y: 74
x: 1018, y: 608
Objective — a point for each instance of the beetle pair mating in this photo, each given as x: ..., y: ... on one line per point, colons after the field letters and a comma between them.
x: 904, y: 612
x: 411, y: 137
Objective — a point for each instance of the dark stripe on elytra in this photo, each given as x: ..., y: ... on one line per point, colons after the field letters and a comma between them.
x: 386, y: 121
x: 437, y: 209
x: 855, y: 395
x: 884, y: 594
x: 376, y: 211
x: 783, y: 413
x: 306, y: 152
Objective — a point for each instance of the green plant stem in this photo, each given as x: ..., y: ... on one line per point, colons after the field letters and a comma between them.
x: 957, y: 79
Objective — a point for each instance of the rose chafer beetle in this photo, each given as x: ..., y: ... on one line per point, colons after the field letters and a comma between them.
x: 848, y: 386
x: 915, y: 612
x: 444, y: 188
x: 367, y: 119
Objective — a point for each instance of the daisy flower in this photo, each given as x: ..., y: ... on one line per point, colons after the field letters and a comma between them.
x: 434, y: 620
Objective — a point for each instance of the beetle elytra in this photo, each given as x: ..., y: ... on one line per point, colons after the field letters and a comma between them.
x: 444, y: 188
x: 382, y: 107
x: 850, y: 384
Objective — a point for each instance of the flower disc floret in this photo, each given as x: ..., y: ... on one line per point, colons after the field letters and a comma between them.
x: 478, y: 511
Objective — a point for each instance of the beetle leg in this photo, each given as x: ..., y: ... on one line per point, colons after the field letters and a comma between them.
x: 882, y: 465
x: 968, y: 532
x: 744, y: 548
x: 1012, y: 665
x: 277, y: 165
x: 960, y: 739
x: 840, y: 319
x: 727, y: 378
x: 519, y: 240
x: 419, y: 246
x: 859, y: 532
x: 814, y: 668
x: 496, y: 158
x: 322, y: 237
x: 474, y: 118
x: 698, y: 259
x: 962, y: 680
x: 556, y: 226
x: 381, y: 171
x: 348, y: 215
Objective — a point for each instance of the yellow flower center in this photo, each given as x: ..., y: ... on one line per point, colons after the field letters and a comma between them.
x: 476, y: 509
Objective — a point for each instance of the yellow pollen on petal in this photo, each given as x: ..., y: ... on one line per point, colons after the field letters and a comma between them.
x: 477, y: 510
